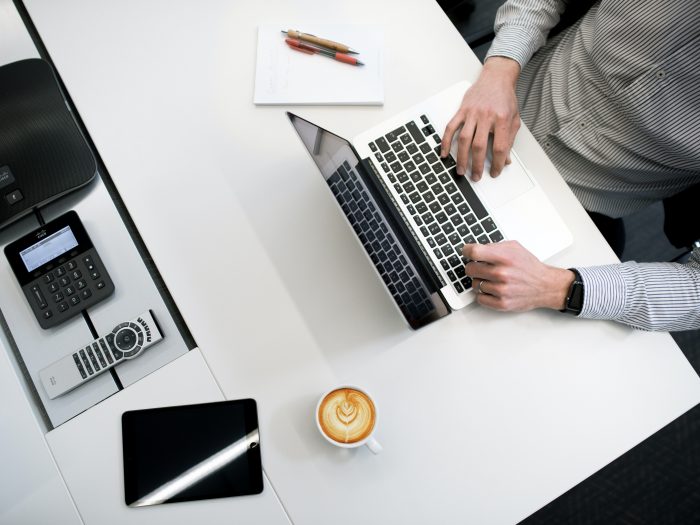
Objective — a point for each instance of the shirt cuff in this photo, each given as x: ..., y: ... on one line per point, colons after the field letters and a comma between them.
x: 516, y: 42
x: 604, y: 292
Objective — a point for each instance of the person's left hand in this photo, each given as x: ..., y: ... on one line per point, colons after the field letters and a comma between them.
x: 507, y: 277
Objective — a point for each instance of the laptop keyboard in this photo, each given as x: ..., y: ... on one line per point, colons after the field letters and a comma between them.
x: 442, y: 204
x: 386, y: 254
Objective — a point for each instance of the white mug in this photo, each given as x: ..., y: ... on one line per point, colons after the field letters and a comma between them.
x: 369, y: 441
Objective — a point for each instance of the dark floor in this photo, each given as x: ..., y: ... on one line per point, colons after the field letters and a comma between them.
x: 657, y: 482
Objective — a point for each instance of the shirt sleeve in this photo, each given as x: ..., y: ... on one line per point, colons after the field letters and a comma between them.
x: 522, y: 27
x: 650, y: 296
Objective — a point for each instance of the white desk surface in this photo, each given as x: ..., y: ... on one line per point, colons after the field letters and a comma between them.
x: 485, y: 417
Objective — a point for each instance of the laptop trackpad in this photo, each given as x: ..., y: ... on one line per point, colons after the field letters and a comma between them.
x: 510, y: 184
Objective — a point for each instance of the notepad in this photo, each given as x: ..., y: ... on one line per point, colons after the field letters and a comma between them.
x: 285, y: 76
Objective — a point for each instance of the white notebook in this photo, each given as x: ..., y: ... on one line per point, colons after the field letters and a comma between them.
x: 286, y: 76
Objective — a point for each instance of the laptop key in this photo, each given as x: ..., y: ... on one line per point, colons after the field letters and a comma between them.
x: 415, y: 132
x: 382, y: 144
x: 483, y: 239
x: 488, y: 225
x: 396, y: 167
x: 406, y: 138
x: 428, y: 196
x: 424, y: 168
x: 477, y: 229
x: 421, y: 207
x: 496, y: 236
x: 425, y: 148
x: 409, y: 166
x: 422, y: 186
x: 411, y: 148
x: 372, y: 146
x: 390, y: 157
x: 418, y: 158
x: 435, y: 207
x: 416, y: 176
x: 403, y: 156
x: 444, y: 198
x: 397, y: 146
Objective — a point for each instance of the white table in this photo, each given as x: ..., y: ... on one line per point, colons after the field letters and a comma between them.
x: 485, y: 417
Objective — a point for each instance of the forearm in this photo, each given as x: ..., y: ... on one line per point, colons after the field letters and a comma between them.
x: 522, y: 27
x: 650, y: 296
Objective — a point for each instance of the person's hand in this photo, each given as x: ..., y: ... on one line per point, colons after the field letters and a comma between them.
x: 507, y: 277
x: 489, y: 106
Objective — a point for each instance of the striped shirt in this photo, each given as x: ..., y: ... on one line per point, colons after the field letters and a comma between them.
x: 615, y: 102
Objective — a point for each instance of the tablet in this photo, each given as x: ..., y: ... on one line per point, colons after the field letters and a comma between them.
x: 191, y: 452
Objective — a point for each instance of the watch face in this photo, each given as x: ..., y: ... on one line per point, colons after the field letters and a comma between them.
x: 575, y: 303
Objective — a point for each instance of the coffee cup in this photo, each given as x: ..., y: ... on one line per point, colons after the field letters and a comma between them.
x: 346, y: 416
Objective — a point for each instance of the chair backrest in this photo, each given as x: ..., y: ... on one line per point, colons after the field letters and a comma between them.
x: 682, y: 217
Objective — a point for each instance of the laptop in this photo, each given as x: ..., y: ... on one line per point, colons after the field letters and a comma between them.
x: 412, y: 213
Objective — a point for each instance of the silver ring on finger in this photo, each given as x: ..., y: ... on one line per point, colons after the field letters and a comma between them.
x: 481, y: 282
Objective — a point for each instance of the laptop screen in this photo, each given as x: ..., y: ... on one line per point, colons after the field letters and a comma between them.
x: 368, y: 210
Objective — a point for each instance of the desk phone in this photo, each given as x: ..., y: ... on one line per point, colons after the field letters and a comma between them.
x: 59, y: 270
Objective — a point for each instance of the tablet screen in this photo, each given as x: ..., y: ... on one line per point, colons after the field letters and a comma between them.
x: 191, y: 452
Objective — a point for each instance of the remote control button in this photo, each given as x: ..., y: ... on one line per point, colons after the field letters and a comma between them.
x: 85, y: 294
x: 62, y: 307
x: 133, y: 352
x: 76, y: 275
x: 106, y: 351
x: 125, y: 339
x: 80, y: 366
x: 48, y: 314
x: 98, y: 353
x: 47, y: 278
x: 53, y: 287
x: 57, y: 297
x: 140, y: 342
x: 72, y: 265
x: 119, y: 327
x: 86, y: 362
x: 64, y: 281
x: 87, y: 259
x: 94, y: 275
x: 81, y: 284
x: 39, y: 297
x: 60, y: 271
x: 69, y: 290
x: 115, y: 352
x: 93, y: 360
x: 100, y: 285
x: 74, y: 300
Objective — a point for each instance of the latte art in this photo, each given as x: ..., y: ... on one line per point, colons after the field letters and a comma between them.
x: 347, y: 415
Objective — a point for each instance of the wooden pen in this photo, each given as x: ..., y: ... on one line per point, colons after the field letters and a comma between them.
x: 312, y: 39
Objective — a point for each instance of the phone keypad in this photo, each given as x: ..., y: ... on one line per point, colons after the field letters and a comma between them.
x: 78, y: 282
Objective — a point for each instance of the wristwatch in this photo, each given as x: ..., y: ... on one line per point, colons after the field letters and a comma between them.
x: 574, y: 299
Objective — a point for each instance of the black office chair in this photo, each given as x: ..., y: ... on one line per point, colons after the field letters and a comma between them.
x: 681, y: 218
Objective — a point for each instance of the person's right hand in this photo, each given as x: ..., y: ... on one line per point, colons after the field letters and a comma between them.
x: 489, y: 106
